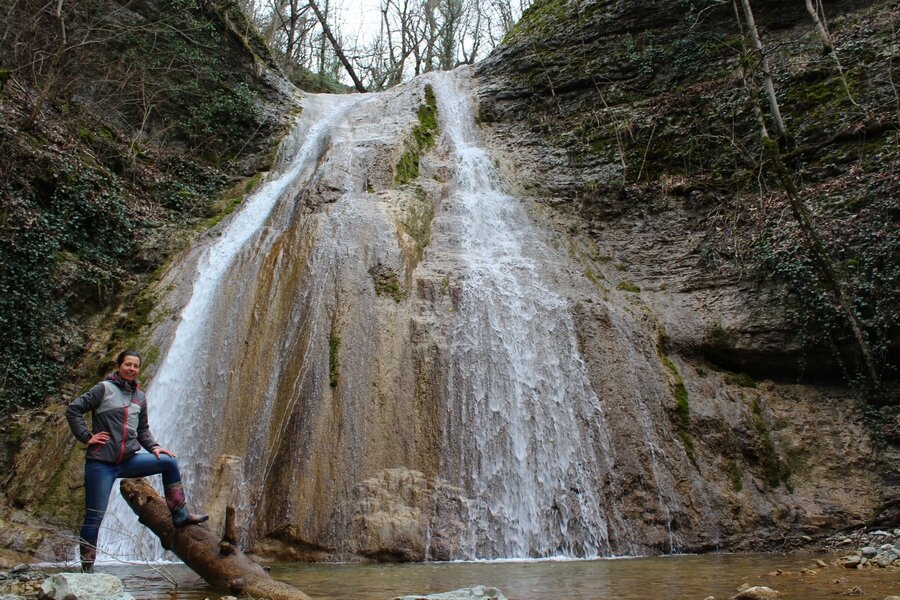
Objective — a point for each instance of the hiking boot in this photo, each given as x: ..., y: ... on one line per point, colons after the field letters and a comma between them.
x: 88, y: 555
x: 182, y: 518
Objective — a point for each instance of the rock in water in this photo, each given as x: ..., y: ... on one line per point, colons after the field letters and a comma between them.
x: 478, y: 592
x: 82, y: 586
x: 759, y: 592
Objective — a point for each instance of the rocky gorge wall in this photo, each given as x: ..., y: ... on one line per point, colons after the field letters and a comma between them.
x: 329, y: 398
x: 628, y: 124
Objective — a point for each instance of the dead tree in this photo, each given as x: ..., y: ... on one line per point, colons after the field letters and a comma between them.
x: 337, y: 47
x: 828, y: 273
x: 217, y: 560
x: 753, y: 32
x: 827, y: 44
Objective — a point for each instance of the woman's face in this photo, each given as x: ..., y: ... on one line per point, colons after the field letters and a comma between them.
x: 130, y: 368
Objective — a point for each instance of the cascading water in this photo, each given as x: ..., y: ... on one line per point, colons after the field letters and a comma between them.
x: 177, y: 392
x: 396, y: 365
x: 526, y: 435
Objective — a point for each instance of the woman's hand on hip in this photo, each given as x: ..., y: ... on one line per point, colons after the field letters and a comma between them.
x: 98, y: 439
x: 157, y: 451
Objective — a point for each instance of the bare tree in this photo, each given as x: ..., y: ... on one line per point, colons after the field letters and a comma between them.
x: 753, y: 32
x: 828, y: 273
x: 414, y: 36
x: 323, y: 21
x: 827, y: 44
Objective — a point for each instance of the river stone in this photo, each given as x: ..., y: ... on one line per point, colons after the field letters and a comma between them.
x: 759, y: 592
x: 869, y: 551
x: 11, y: 597
x: 83, y: 586
x: 851, y: 561
x: 478, y: 592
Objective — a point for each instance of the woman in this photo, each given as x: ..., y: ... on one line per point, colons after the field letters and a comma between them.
x: 120, y: 428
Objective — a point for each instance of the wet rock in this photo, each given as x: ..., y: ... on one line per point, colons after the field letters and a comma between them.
x: 23, y: 582
x: 852, y: 561
x: 476, y: 593
x: 758, y: 592
x: 80, y: 586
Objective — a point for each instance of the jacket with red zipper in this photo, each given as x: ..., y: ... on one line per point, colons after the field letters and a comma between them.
x: 120, y: 409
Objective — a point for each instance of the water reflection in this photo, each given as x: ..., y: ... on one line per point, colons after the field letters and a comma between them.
x: 657, y: 578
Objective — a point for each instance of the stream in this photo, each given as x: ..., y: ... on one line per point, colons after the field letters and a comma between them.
x: 686, y: 577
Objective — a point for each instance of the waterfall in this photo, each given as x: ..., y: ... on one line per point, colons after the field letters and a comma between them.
x: 399, y: 366
x: 526, y: 436
x: 178, y: 392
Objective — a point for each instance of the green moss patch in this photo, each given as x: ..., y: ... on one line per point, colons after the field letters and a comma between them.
x: 734, y: 475
x: 424, y: 135
x: 682, y: 408
x: 387, y: 283
x: 628, y: 286
x: 774, y: 471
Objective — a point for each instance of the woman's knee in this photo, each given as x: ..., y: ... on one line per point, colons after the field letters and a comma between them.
x: 170, y: 468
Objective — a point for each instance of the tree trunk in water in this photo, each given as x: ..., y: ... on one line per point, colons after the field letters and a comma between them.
x: 218, y: 561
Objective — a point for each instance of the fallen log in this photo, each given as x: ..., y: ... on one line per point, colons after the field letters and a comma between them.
x: 218, y: 561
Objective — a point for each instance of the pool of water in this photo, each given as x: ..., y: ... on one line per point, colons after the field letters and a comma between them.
x: 652, y: 578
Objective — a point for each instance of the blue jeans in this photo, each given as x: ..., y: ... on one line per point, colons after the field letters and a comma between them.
x: 99, y: 478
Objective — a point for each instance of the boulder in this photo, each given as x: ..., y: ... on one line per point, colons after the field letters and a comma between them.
x: 478, y: 592
x: 869, y: 551
x: 83, y: 586
x: 759, y: 592
x: 884, y: 560
x: 852, y: 561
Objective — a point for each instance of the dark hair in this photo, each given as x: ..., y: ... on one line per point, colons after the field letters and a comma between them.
x: 121, y: 358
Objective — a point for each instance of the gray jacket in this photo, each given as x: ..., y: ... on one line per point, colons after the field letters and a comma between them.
x: 119, y: 410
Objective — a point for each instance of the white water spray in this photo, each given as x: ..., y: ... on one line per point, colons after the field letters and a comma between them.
x: 529, y: 441
x: 177, y: 393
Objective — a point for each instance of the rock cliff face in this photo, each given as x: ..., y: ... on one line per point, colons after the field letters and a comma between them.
x: 630, y: 123
x: 529, y: 338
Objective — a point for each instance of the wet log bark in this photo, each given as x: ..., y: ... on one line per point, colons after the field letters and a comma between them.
x: 218, y: 561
